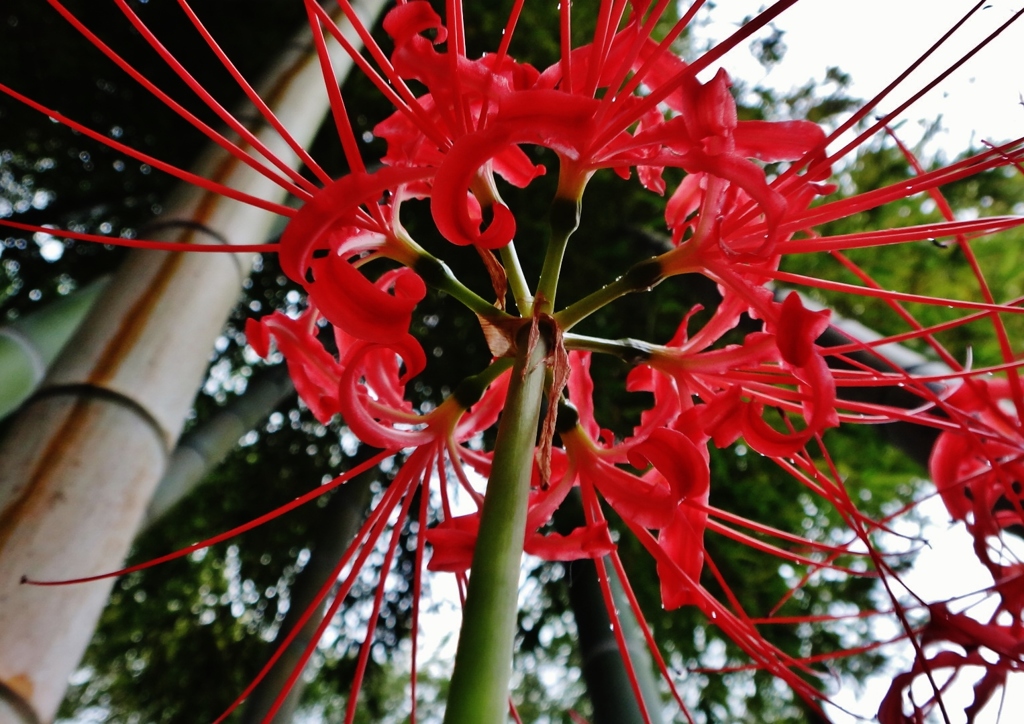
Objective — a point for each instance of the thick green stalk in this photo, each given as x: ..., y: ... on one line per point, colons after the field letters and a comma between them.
x: 517, y: 280
x: 642, y: 277
x: 436, y: 274
x: 483, y: 660
x: 627, y: 349
x: 564, y: 217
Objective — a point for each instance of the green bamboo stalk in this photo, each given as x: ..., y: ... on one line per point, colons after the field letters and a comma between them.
x: 337, y: 525
x: 483, y: 660
x: 201, y: 449
x: 30, y: 344
x: 604, y: 671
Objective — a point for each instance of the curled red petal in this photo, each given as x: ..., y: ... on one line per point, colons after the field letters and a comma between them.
x: 258, y: 337
x: 749, y: 177
x: 545, y: 501
x: 666, y: 406
x: 682, y: 203
x: 362, y: 308
x: 449, y: 203
x: 581, y: 391
x: 709, y: 108
x: 797, y: 330
x: 632, y: 497
x: 548, y: 118
x: 970, y: 633
x: 818, y: 391
x: 453, y: 541
x: 336, y: 205
x: 683, y: 541
x: 589, y: 541
x: 777, y: 140
x: 314, y: 372
x: 515, y: 166
x: 682, y: 463
x: 721, y: 417
x: 891, y: 709
x: 413, y: 18
x: 374, y: 423
x: 645, y: 502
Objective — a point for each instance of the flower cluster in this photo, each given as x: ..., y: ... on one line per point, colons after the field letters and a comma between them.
x: 976, y: 467
x: 625, y: 103
x: 743, y: 197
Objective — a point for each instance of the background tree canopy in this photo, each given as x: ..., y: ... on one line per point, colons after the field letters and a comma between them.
x: 179, y: 641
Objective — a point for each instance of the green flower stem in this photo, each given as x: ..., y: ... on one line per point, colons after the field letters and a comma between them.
x: 517, y: 280
x: 436, y: 274
x: 471, y: 389
x: 627, y: 349
x: 483, y: 660
x: 564, y: 218
x: 642, y: 277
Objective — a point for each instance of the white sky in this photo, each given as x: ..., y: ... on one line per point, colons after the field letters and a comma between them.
x: 873, y: 41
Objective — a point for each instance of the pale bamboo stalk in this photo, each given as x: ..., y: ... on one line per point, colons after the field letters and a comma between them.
x: 83, y: 459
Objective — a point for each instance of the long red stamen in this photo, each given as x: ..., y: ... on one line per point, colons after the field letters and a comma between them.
x: 338, y: 111
x: 210, y: 101
x: 887, y: 118
x: 254, y: 523
x: 620, y: 638
x: 510, y: 27
x: 268, y: 248
x: 254, y: 97
x: 188, y: 177
x: 363, y: 544
x: 394, y: 87
x: 378, y: 598
x: 622, y: 119
x: 232, y: 148
x: 1002, y: 336
x: 652, y: 645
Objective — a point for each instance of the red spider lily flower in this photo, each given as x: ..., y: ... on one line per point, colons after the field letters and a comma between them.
x: 458, y: 100
x: 679, y: 473
x: 313, y: 371
x: 495, y: 109
x: 1003, y: 647
x: 671, y: 497
x: 620, y: 102
x: 715, y: 147
x: 892, y: 709
x: 370, y: 399
x: 316, y: 374
x: 455, y: 538
x: 978, y: 468
x: 721, y: 377
x: 319, y: 245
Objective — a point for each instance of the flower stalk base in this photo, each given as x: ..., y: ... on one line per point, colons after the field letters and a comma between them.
x: 483, y: 660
